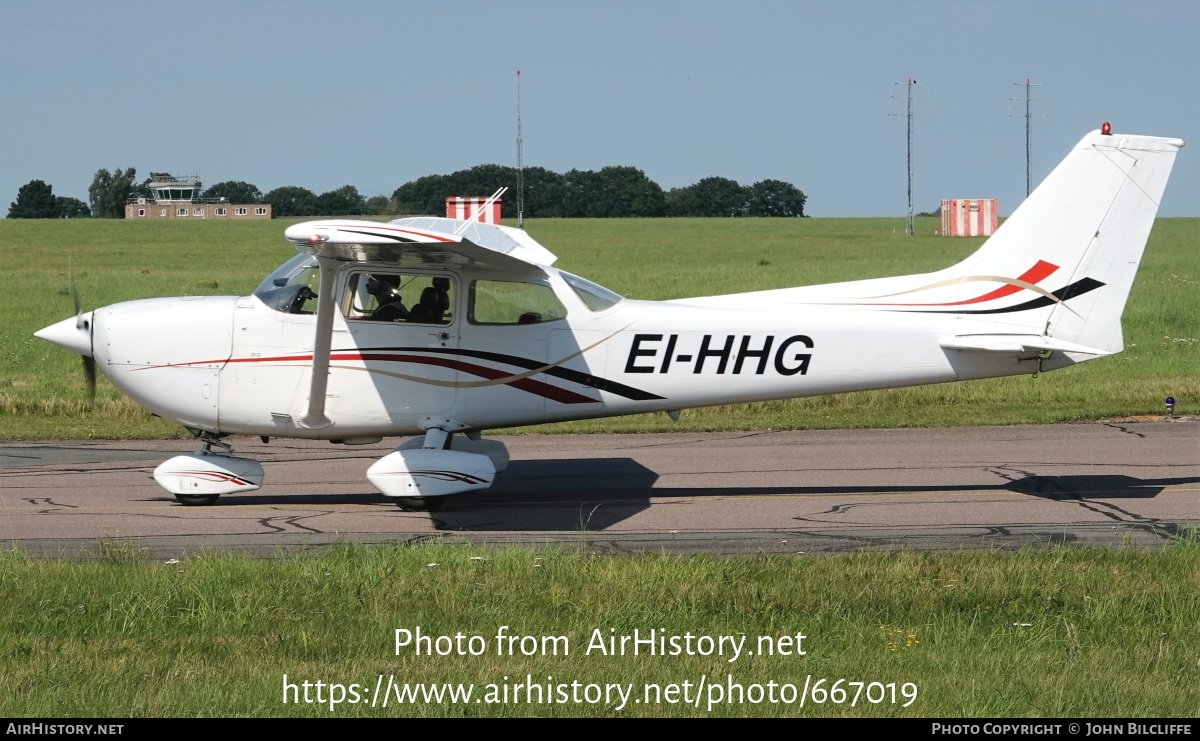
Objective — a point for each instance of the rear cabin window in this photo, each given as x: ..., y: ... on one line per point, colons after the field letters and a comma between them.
x: 506, y: 302
x: 595, y: 297
x: 399, y: 298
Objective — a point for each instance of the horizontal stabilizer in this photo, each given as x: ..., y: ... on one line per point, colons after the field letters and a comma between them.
x: 1015, y: 343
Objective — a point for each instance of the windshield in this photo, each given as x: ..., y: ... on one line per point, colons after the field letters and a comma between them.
x: 596, y: 297
x: 287, y: 272
x: 292, y: 287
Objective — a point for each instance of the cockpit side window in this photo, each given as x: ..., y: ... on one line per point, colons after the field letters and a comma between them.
x: 395, y: 297
x: 510, y: 302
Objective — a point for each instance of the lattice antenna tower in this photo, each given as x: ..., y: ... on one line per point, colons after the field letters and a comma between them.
x: 1028, y: 116
x: 520, y: 161
x: 910, y: 83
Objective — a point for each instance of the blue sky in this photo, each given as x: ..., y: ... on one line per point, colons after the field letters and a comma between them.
x: 374, y: 94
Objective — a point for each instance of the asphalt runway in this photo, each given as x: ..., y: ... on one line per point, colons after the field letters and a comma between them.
x: 723, y: 493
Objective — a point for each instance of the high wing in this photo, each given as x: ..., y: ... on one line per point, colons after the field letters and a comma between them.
x: 421, y: 241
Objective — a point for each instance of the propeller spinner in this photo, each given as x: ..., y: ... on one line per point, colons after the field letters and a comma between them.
x: 75, y: 335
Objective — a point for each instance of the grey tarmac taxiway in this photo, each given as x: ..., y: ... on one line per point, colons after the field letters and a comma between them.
x: 1102, y: 484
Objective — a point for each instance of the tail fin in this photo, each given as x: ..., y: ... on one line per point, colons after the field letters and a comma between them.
x: 1069, y: 253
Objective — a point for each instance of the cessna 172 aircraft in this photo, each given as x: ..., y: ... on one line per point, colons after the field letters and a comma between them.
x: 443, y: 329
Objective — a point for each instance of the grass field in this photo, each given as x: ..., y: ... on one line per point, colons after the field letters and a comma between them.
x: 1060, y: 633
x: 42, y: 392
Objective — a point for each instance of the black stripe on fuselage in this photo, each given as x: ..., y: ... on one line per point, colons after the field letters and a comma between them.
x: 1078, y: 288
x: 566, y: 374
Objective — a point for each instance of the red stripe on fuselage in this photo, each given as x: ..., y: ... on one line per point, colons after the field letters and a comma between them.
x: 553, y: 393
x: 1039, y: 271
x: 546, y: 390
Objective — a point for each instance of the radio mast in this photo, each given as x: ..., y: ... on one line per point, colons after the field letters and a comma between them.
x: 910, y: 83
x: 520, y: 161
x: 1028, y: 116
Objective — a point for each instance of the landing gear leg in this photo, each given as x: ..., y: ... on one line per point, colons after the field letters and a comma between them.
x: 437, y: 439
x: 208, y: 440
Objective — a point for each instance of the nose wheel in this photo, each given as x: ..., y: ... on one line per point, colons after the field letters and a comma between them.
x: 419, y: 504
x: 204, y: 500
x: 197, y: 500
x: 200, y: 478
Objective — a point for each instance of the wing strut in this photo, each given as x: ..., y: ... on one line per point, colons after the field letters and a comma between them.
x: 322, y: 342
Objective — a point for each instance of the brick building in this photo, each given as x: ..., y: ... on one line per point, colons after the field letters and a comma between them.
x: 179, y: 198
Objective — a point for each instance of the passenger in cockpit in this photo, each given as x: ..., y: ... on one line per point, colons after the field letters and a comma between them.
x: 385, y: 289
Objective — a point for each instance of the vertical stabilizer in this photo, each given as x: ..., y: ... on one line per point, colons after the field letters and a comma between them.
x: 1075, y: 243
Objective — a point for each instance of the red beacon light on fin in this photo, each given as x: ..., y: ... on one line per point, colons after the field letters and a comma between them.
x: 1106, y: 129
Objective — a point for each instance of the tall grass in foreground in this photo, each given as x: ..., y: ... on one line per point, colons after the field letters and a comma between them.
x: 42, y: 388
x: 1053, y: 633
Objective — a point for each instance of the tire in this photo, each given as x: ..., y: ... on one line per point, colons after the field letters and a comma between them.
x: 197, y: 500
x: 419, y: 504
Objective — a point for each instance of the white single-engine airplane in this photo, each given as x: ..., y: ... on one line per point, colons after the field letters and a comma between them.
x: 442, y: 329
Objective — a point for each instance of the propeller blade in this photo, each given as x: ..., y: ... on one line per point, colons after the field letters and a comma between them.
x: 89, y: 372
x: 75, y: 300
x: 89, y: 363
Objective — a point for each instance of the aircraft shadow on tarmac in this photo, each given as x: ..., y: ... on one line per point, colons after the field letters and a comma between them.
x: 590, y: 494
x: 1114, y: 486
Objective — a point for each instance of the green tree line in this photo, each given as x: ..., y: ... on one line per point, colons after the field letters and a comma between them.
x: 36, y: 200
x: 610, y: 192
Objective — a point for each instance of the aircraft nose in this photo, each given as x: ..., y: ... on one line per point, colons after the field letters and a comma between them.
x: 74, y: 334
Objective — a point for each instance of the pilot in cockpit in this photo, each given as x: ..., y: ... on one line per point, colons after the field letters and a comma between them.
x: 385, y: 289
